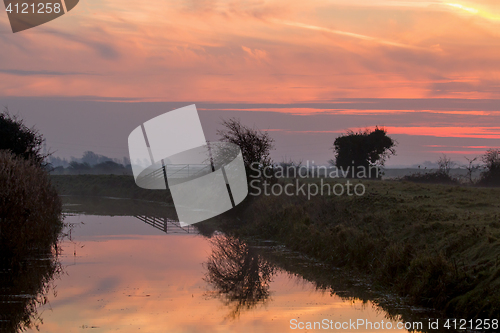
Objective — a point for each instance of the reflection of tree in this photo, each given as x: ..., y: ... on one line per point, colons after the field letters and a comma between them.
x: 24, y: 288
x: 239, y: 275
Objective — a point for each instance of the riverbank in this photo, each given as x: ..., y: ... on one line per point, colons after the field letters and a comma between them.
x: 436, y: 245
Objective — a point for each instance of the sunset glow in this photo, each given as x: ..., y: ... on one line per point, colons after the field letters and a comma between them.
x: 271, y: 52
x: 243, y: 51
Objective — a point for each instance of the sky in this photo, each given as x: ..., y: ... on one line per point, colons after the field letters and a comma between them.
x: 306, y: 71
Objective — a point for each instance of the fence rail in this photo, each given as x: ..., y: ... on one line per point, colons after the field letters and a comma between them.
x: 167, y: 225
x: 177, y: 171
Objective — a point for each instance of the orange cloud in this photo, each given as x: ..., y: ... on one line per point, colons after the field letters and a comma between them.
x: 301, y: 51
x: 442, y: 132
x: 450, y: 132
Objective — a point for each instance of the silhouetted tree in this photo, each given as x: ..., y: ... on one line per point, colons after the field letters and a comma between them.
x: 19, y: 139
x: 363, y: 148
x: 491, y: 160
x: 445, y: 164
x: 255, y: 145
x: 471, y: 168
x: 90, y: 158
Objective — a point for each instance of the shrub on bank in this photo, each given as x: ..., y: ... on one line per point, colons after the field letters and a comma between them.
x: 436, y: 177
x: 491, y: 174
x: 30, y: 209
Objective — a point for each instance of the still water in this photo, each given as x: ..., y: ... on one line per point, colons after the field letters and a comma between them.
x: 120, y: 273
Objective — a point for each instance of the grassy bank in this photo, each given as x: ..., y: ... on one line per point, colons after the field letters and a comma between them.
x: 437, y: 245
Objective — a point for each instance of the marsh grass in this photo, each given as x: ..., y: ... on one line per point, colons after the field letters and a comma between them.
x: 30, y: 209
x: 30, y: 227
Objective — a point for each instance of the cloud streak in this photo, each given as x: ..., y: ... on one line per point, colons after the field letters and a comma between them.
x: 351, y: 35
x: 21, y: 72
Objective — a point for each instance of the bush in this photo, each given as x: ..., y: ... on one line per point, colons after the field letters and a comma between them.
x: 30, y: 209
x: 255, y: 145
x: 491, y: 176
x: 363, y: 149
x: 441, y: 176
x: 19, y: 139
x: 436, y: 177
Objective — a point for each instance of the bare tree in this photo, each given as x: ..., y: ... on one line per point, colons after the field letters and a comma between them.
x: 255, y: 145
x: 471, y: 168
x: 445, y: 164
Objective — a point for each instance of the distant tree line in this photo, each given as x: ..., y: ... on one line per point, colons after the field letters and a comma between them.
x: 89, y: 163
x: 486, y: 173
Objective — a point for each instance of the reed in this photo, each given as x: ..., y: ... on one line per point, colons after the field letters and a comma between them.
x: 30, y: 209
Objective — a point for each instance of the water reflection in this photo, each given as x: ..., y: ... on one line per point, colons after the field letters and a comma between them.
x: 238, y: 274
x: 167, y: 225
x: 24, y: 288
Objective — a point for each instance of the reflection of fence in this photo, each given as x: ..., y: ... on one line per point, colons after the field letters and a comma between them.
x: 167, y: 225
